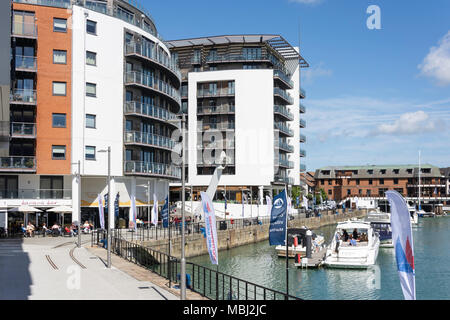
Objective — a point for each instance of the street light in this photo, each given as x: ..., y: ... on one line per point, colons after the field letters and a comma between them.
x: 79, y: 203
x: 183, y: 195
x: 108, y: 243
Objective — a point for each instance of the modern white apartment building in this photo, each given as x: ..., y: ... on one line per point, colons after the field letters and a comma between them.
x: 88, y: 75
x: 242, y: 94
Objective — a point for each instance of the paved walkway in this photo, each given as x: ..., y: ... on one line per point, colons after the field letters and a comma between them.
x: 43, y: 268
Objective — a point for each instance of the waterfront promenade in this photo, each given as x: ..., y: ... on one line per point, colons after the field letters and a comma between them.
x: 53, y: 269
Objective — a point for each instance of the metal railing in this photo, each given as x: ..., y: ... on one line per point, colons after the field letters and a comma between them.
x: 285, y: 163
x: 284, y: 179
x: 302, y: 93
x: 283, y: 111
x: 302, y: 123
x: 207, y: 282
x: 152, y: 54
x: 283, y: 94
x: 222, y: 109
x: 302, y: 108
x: 221, y: 144
x: 284, y: 145
x: 23, y: 96
x: 302, y: 153
x: 154, y: 83
x: 23, y: 129
x: 223, y: 92
x: 36, y: 194
x: 151, y: 168
x: 51, y: 3
x: 27, y: 63
x: 18, y: 163
x: 302, y: 138
x: 283, y: 128
x: 149, y: 110
x: 280, y: 74
x: 203, y: 126
x: 239, y: 57
x: 150, y: 139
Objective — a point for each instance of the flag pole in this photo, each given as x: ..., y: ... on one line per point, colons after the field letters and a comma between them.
x: 287, y: 248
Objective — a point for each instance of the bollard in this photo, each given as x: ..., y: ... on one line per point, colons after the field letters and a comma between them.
x: 308, y: 243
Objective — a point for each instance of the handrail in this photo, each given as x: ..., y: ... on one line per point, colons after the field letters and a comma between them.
x: 149, y: 110
x: 151, y: 168
x: 286, y: 96
x: 149, y: 139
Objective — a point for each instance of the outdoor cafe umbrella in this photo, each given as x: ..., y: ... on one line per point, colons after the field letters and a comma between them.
x: 62, y: 210
x: 25, y: 209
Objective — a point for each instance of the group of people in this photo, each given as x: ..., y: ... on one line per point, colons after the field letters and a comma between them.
x: 56, y: 229
x: 350, y: 238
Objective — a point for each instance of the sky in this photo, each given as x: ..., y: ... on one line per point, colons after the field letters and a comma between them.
x: 373, y: 96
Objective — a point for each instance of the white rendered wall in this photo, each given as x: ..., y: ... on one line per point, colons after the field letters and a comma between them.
x: 253, y: 127
x: 295, y: 125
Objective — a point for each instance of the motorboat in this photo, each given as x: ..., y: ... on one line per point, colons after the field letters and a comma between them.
x: 423, y: 214
x: 414, y: 215
x: 297, y: 242
x: 381, y: 223
x: 360, y: 253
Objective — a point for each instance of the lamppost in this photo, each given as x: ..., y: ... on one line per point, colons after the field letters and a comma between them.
x: 109, y: 211
x: 79, y: 202
x: 183, y: 196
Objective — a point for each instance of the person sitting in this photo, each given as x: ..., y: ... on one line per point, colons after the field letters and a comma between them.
x: 352, y: 241
x: 24, y: 231
x: 86, y: 227
x: 55, y: 229
x: 355, y: 234
x: 345, y: 236
x: 30, y: 229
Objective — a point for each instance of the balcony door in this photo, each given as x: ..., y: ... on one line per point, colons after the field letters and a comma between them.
x: 51, y: 187
x: 9, y: 187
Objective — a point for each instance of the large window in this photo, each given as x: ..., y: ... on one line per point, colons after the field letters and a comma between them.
x: 91, y: 89
x: 59, y: 120
x: 90, y: 153
x: 58, y: 152
x: 9, y: 187
x: 59, y: 56
x: 59, y: 25
x: 91, y: 58
x: 51, y: 187
x: 90, y: 121
x: 59, y: 88
x: 91, y: 27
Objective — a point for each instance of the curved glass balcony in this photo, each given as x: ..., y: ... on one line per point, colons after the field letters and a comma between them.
x: 152, y: 169
x: 148, y: 139
x: 147, y: 53
x: 148, y: 110
x: 302, y: 138
x: 302, y: 93
x: 278, y: 74
x: 284, y: 128
x: 302, y: 123
x: 153, y: 83
x: 302, y: 153
x: 282, y: 110
x: 283, y: 95
x: 284, y: 146
x: 223, y: 109
x: 302, y: 108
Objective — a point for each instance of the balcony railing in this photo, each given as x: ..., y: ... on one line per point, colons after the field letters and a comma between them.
x: 302, y: 138
x: 224, y: 92
x: 149, y: 110
x: 35, y: 194
x: 26, y: 63
x: 302, y: 108
x: 302, y: 93
x: 18, y: 163
x: 283, y: 111
x: 150, y: 168
x: 284, y: 179
x: 23, y: 29
x: 49, y: 3
x: 27, y: 96
x: 151, y: 54
x: 284, y: 145
x: 222, y: 144
x: 284, y: 128
x: 223, y: 109
x: 23, y: 129
x: 285, y: 163
x: 302, y: 123
x: 154, y: 83
x: 149, y: 139
x: 285, y: 78
x: 238, y: 57
x: 284, y: 95
x: 215, y: 126
x: 302, y: 153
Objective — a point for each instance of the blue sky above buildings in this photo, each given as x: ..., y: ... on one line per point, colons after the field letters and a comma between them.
x: 373, y: 96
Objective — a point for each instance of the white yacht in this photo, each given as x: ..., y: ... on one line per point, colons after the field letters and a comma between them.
x: 381, y: 223
x: 361, y: 253
x: 414, y: 215
x: 300, y: 234
x: 423, y: 214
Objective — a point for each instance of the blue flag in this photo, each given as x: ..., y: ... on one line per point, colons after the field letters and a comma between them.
x: 106, y: 205
x: 116, y: 206
x: 165, y: 213
x: 277, y: 229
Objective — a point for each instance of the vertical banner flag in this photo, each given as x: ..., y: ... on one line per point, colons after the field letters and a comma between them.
x: 106, y: 205
x: 210, y: 228
x: 116, y: 206
x: 269, y: 205
x: 305, y: 202
x: 165, y: 213
x: 225, y: 196
x: 101, y: 212
x: 298, y: 201
x: 244, y: 198
x: 277, y: 229
x: 289, y: 205
x: 133, y: 213
x: 403, y: 243
x: 155, y: 210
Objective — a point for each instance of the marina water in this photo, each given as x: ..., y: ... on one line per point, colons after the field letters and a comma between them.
x: 258, y: 263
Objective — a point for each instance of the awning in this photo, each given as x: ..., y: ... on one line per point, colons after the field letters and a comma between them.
x: 25, y: 209
x: 61, y: 209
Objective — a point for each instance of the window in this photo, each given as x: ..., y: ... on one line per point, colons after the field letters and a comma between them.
x: 51, y: 187
x: 360, y: 192
x: 91, y: 58
x: 91, y: 27
x: 395, y: 181
x: 383, y: 171
x: 322, y: 182
x: 369, y: 193
x: 381, y: 181
x: 90, y: 121
x: 357, y: 182
x: 370, y: 171
x: 330, y: 192
x: 90, y: 153
x: 59, y: 152
x: 59, y: 88
x: 91, y: 89
x: 59, y: 25
x: 370, y: 181
x: 330, y: 182
x: 59, y: 56
x: 396, y: 171
x: 349, y: 192
x: 59, y: 120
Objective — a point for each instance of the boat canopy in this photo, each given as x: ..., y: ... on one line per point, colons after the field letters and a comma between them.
x: 353, y: 225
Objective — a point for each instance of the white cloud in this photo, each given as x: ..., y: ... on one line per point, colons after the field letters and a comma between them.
x: 437, y: 63
x: 317, y: 71
x: 410, y: 123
